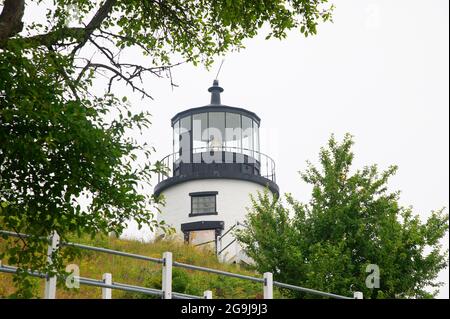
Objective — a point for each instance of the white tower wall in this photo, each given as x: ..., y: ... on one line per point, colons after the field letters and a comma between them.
x: 233, y: 199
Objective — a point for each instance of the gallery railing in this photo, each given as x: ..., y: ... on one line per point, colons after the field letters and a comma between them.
x: 265, y: 165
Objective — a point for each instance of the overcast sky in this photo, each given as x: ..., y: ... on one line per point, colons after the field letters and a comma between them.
x: 379, y: 72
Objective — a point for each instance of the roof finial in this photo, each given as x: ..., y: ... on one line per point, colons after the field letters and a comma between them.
x: 215, y: 92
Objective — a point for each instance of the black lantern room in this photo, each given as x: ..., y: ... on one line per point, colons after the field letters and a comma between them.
x: 217, y: 141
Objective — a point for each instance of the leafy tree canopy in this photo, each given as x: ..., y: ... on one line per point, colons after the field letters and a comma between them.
x: 351, y: 222
x: 60, y: 142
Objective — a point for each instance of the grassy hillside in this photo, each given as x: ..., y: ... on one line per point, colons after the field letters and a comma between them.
x: 136, y: 272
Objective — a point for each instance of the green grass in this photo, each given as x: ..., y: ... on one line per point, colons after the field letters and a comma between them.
x: 141, y: 273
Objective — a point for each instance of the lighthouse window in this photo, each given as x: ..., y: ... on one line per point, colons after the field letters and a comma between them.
x: 200, y: 131
x: 176, y: 139
x: 233, y: 132
x: 256, y: 140
x: 247, y: 136
x: 203, y: 203
x: 216, y: 132
x: 185, y: 124
x: 185, y: 138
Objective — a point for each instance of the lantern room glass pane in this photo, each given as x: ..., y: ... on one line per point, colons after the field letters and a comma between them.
x: 216, y: 133
x: 247, y: 136
x: 185, y: 123
x: 185, y: 138
x: 200, y: 132
x: 233, y: 132
x: 256, y: 140
x: 176, y: 140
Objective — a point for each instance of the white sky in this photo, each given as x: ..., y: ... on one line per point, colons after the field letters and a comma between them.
x: 379, y: 72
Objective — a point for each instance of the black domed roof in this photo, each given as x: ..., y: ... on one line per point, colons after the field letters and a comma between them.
x: 216, y: 106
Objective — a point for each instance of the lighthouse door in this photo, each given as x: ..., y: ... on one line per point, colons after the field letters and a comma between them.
x: 203, y: 233
x: 204, y: 238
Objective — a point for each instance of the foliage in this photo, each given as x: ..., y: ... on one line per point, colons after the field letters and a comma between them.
x: 64, y: 168
x: 56, y: 144
x: 351, y: 221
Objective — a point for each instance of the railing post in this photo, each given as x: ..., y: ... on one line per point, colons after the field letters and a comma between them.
x: 107, y: 292
x: 167, y: 275
x: 222, y: 256
x: 268, y: 285
x: 358, y: 295
x: 50, y: 282
x: 237, y: 252
x: 237, y: 247
x: 207, y: 294
x: 219, y: 246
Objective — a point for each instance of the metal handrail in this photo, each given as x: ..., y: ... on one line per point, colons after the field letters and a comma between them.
x: 229, y: 229
x: 101, y: 284
x: 87, y: 247
x: 218, y: 272
x: 205, y: 243
x: 119, y: 286
x: 220, y: 238
x: 225, y: 248
x: 313, y: 291
x: 13, y: 270
x: 113, y: 252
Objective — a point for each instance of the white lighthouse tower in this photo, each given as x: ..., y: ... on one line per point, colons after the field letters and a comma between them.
x: 215, y: 165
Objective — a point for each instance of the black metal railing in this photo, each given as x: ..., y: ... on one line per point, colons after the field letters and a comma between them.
x: 265, y: 164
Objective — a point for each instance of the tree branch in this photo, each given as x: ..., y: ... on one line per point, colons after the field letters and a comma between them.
x: 12, y: 15
x: 95, y: 22
x: 11, y: 18
x: 101, y: 15
x: 118, y: 74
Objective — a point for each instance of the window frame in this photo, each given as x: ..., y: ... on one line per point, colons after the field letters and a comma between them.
x: 201, y: 194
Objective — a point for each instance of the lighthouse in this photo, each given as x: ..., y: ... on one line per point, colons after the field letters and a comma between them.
x: 215, y: 166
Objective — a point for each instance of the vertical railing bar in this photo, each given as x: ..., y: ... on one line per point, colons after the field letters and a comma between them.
x: 107, y: 292
x: 268, y: 285
x: 167, y: 275
x: 207, y: 294
x: 50, y: 281
x: 358, y: 295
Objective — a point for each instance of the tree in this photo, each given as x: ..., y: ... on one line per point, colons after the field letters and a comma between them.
x: 59, y: 141
x: 351, y: 223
